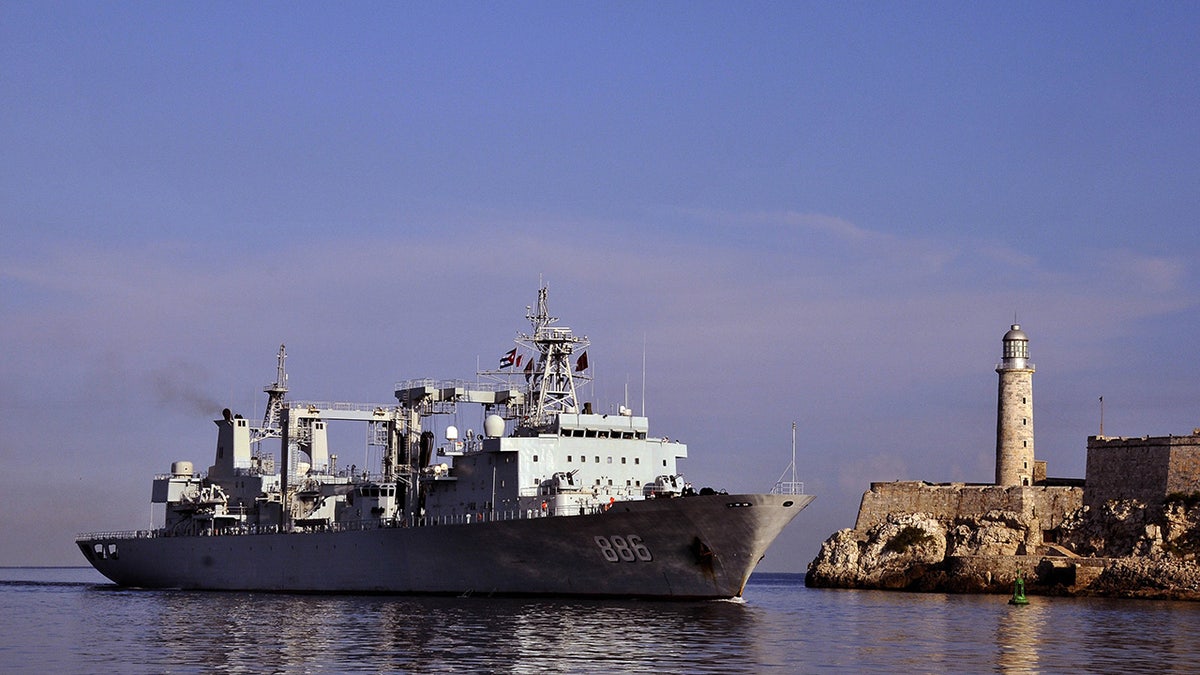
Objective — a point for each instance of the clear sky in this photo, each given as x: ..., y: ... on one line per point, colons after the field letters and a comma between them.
x: 821, y: 212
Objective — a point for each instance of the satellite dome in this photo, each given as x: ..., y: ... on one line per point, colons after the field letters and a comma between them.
x: 452, y: 433
x: 493, y: 426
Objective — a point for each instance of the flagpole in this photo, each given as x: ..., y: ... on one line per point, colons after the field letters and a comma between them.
x: 1102, y: 417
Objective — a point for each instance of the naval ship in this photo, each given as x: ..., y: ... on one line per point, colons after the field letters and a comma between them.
x: 551, y: 498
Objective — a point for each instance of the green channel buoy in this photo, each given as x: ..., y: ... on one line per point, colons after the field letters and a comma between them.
x: 1018, y: 597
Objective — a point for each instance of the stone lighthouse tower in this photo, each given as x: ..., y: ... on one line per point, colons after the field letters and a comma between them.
x: 1014, y: 413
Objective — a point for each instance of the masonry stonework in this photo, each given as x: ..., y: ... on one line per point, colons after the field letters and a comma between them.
x: 1046, y: 505
x: 1146, y: 469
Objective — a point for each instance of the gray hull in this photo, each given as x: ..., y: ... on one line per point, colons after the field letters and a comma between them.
x: 686, y: 548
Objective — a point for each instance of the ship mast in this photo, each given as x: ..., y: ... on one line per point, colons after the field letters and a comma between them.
x: 552, y: 373
x: 276, y: 393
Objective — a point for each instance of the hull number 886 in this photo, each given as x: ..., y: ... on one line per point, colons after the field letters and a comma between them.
x: 627, y: 548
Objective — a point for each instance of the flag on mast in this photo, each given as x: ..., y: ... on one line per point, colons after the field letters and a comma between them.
x: 508, y: 359
x: 582, y: 363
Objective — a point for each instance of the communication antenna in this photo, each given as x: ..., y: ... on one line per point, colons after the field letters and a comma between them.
x: 792, y: 487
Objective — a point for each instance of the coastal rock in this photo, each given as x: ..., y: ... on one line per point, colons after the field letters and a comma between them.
x: 992, y: 533
x: 1124, y: 528
x: 1122, y: 549
x: 893, y: 554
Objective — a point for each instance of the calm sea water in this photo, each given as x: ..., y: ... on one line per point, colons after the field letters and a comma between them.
x: 70, y: 620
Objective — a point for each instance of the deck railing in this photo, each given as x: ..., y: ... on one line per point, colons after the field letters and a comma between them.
x: 349, y: 526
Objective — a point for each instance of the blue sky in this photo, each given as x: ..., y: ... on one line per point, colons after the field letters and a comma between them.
x: 827, y: 213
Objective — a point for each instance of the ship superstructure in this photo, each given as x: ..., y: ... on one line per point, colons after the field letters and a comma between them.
x: 548, y: 482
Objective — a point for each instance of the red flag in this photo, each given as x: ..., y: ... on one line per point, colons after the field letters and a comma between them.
x: 529, y: 369
x: 519, y: 357
x: 582, y: 363
x: 507, y: 359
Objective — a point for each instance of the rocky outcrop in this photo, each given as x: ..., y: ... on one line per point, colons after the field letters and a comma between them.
x: 1125, y: 548
x: 894, y: 554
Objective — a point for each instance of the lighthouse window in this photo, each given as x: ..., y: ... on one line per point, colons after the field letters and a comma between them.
x: 610, y: 460
x: 1023, y: 400
x: 535, y: 458
x: 1024, y: 421
x: 597, y: 459
x: 622, y: 460
x: 568, y: 458
x: 637, y: 460
x: 583, y: 458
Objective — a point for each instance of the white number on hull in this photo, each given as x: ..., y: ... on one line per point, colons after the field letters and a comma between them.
x: 628, y: 548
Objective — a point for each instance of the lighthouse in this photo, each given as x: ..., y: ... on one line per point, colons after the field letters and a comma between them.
x: 1014, y: 412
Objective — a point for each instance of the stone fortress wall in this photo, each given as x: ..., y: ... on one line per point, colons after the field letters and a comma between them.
x: 1045, y: 506
x: 1146, y: 469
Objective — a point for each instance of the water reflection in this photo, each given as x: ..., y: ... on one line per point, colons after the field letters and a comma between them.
x: 203, y: 632
x: 781, y: 628
x: 1020, y: 630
